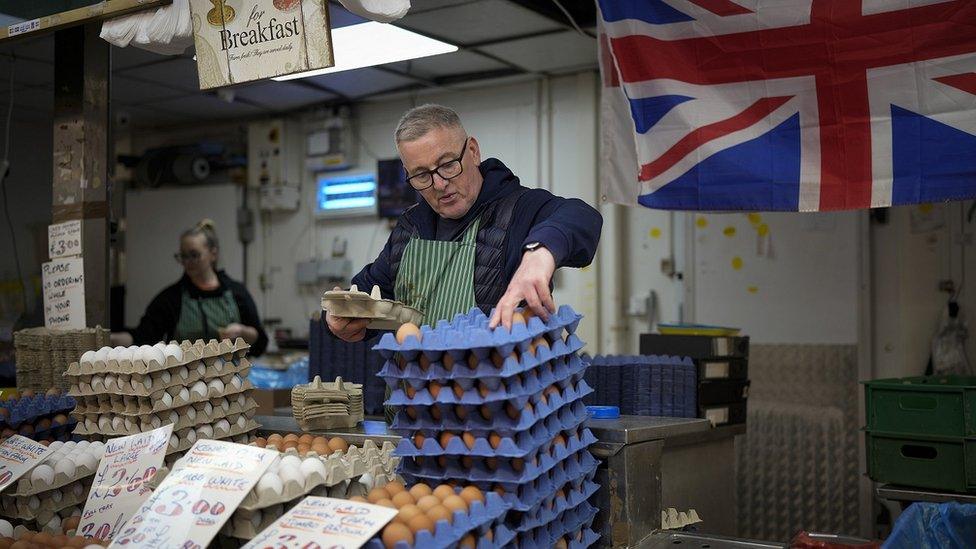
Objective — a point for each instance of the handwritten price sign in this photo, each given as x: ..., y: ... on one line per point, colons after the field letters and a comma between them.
x: 122, y: 481
x: 324, y: 523
x: 198, y: 497
x: 17, y: 456
x: 64, y: 239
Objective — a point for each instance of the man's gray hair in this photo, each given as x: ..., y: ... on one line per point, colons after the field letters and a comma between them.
x: 416, y: 122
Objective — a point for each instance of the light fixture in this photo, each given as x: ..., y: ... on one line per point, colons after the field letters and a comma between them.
x: 372, y: 43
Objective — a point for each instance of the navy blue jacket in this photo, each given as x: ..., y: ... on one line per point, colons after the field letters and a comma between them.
x: 569, y: 228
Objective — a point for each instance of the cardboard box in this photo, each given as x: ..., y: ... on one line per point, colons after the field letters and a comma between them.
x: 269, y: 399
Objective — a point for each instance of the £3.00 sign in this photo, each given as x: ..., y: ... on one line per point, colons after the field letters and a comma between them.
x: 197, y: 498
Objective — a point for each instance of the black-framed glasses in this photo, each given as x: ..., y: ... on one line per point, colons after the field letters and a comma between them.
x: 447, y: 170
x: 182, y: 257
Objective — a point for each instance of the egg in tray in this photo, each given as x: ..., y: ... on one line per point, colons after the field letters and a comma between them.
x: 500, y: 410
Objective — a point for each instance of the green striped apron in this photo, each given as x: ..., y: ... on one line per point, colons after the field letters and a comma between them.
x: 200, y: 318
x: 437, y: 278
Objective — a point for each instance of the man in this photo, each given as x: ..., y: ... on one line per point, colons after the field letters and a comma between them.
x: 477, y: 238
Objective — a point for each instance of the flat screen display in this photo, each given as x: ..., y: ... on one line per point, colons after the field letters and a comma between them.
x: 394, y: 194
x: 345, y: 195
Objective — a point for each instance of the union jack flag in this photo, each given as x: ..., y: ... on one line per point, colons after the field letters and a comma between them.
x: 788, y: 105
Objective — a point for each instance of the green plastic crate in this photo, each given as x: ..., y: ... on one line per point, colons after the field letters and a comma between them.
x: 926, y: 405
x: 940, y: 463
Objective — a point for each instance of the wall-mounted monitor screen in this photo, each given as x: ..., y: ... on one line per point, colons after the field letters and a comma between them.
x: 348, y: 195
x: 393, y: 192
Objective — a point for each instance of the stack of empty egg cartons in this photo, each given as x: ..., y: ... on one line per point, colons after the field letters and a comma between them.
x: 501, y: 410
x: 318, y: 406
x: 201, y: 388
x: 645, y: 385
x: 56, y: 488
x: 43, y: 354
x: 289, y: 479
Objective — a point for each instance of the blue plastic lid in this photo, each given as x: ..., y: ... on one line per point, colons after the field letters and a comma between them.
x: 603, y: 412
x: 374, y: 427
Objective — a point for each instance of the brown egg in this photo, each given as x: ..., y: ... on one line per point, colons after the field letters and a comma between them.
x: 448, y: 362
x: 434, y: 388
x: 541, y: 341
x: 320, y: 440
x: 59, y: 540
x: 26, y: 393
x: 440, y: 513
x: 260, y: 442
x: 455, y: 503
x: 396, y: 532
x: 427, y: 502
x: 376, y: 494
x: 468, y: 542
x: 395, y: 487
x: 442, y: 462
x: 43, y: 424
x: 424, y: 362
x: 70, y: 523
x: 407, y: 512
x: 498, y: 489
x: 543, y: 398
x: 43, y: 538
x: 274, y: 437
x: 22, y: 545
x: 321, y: 449
x: 497, y: 359
x: 467, y: 462
x: 359, y: 499
x: 489, y: 535
x: 552, y: 390
x: 560, y: 494
x: 27, y: 430
x: 306, y: 439
x: 458, y: 390
x: 559, y: 439
x: 402, y: 362
x: 472, y: 494
x: 411, y: 412
x: 485, y: 412
x: 420, y: 490
x: 560, y: 544
x: 303, y: 448
x: 443, y: 491
x: 291, y: 437
x: 435, y: 412
x: 407, y: 330
x: 409, y: 391
x: 512, y: 412
x: 418, y: 440
x: 518, y: 464
x: 468, y: 439
x: 386, y: 503
x: 289, y: 444
x: 518, y: 318
x: 445, y: 439
x: 402, y: 499
x: 473, y: 361
x: 491, y: 463
x: 421, y: 522
x: 338, y: 444
x: 483, y: 389
x: 495, y: 440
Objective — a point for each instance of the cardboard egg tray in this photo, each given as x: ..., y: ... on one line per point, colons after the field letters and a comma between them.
x: 142, y: 405
x: 45, y: 505
x: 481, y: 517
x: 204, y: 413
x: 672, y: 519
x: 191, y: 352
x: 384, y: 314
x: 182, y: 441
x: 322, y: 406
x: 152, y: 385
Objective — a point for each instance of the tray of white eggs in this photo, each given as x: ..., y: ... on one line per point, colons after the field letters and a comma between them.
x: 68, y: 462
x: 146, y: 359
x: 175, y: 397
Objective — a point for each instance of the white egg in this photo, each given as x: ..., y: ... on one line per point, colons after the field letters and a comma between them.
x: 154, y: 356
x: 183, y: 373
x: 56, y: 495
x: 223, y: 426
x: 155, y: 421
x: 98, y: 383
x: 94, y: 546
x: 33, y: 503
x: 237, y: 382
x: 201, y: 369
x: 102, y: 354
x: 175, y: 351
x: 66, y: 467
x: 90, y: 425
x: 270, y: 485
x: 86, y: 358
x: 77, y: 489
x: 224, y: 405
x: 135, y: 352
x: 119, y: 352
x: 291, y: 475
x: 216, y: 386
x: 241, y: 400
x: 118, y: 424
x: 97, y: 447
x: 42, y: 474
x: 191, y: 436
x: 53, y: 525
x: 290, y: 462
x: 164, y: 378
x: 55, y: 446
x: 124, y: 355
x: 312, y: 466
x: 207, y: 409
x: 147, y: 383
x: 6, y: 529
x: 174, y: 442
x: 104, y: 423
x: 82, y: 445
x: 111, y: 382
x: 191, y: 414
x: 161, y: 345
x: 199, y: 389
x: 88, y: 461
x: 205, y: 431
x: 184, y: 395
x: 174, y: 418
x: 144, y: 351
x: 69, y: 446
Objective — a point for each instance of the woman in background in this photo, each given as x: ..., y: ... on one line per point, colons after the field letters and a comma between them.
x: 204, y: 304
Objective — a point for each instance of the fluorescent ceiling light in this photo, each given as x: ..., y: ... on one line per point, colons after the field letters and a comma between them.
x: 372, y: 43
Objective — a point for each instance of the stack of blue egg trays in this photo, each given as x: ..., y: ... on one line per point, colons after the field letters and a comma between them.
x: 30, y: 410
x: 645, y: 385
x: 502, y: 410
x: 479, y: 520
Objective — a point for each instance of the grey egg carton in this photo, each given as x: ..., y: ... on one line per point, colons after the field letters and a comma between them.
x: 322, y: 406
x: 383, y: 314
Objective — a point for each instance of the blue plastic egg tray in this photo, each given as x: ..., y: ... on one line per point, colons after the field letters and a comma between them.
x: 28, y: 409
x: 578, y: 519
x: 501, y: 469
x: 479, y: 519
x: 515, y: 390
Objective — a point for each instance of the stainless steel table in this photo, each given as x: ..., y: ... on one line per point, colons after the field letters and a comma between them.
x: 670, y: 540
x: 376, y: 431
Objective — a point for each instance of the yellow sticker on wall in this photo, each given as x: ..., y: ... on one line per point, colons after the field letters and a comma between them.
x: 701, y: 222
x: 729, y: 232
x: 762, y: 229
x: 754, y: 218
x: 655, y: 232
x: 752, y: 289
x: 737, y: 263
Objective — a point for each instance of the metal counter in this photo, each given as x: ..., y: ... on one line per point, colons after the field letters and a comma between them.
x: 906, y: 496
x: 669, y: 540
x: 376, y: 431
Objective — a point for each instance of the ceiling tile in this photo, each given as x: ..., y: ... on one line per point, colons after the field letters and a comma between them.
x: 203, y: 107
x: 361, y: 81
x: 128, y: 91
x: 178, y: 73
x: 280, y: 96
x: 547, y: 53
x: 147, y: 117
x: 459, y: 62
x: 478, y: 22
x: 131, y: 56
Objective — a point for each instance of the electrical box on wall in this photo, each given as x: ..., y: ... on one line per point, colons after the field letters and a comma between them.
x: 329, y: 142
x: 266, y: 164
x: 279, y: 198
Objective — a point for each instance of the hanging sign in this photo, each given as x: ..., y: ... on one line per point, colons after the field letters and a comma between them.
x: 17, y: 456
x: 64, y: 239
x: 247, y: 40
x: 198, y: 497
x: 319, y: 522
x: 63, y: 286
x: 122, y: 481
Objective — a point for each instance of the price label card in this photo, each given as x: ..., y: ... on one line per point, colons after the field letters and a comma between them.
x: 324, y: 523
x: 22, y: 27
x: 63, y: 286
x: 17, y: 456
x: 64, y: 239
x: 122, y: 481
x: 198, y: 497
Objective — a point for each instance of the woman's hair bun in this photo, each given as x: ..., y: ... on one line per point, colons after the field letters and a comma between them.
x: 206, y: 224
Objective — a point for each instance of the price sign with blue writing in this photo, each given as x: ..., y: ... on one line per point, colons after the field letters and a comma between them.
x: 17, y: 456
x: 197, y: 498
x: 324, y: 523
x: 122, y: 481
